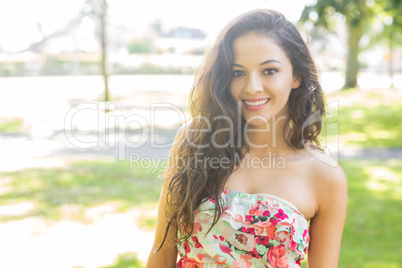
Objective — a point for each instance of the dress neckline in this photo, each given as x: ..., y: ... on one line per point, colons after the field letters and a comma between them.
x: 284, y: 201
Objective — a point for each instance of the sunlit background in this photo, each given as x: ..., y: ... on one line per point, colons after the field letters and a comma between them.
x: 93, y: 92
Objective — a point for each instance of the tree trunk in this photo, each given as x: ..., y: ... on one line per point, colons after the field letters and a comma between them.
x: 104, y: 60
x: 355, y: 32
x: 390, y: 60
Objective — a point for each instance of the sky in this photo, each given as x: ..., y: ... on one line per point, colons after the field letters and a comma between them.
x: 19, y: 19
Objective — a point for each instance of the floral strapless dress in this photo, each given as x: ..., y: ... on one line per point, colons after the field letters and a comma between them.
x: 255, y: 230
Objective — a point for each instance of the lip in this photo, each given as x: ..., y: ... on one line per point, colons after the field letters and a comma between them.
x: 255, y: 108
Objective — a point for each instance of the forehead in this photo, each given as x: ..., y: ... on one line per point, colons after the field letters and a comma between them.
x: 253, y: 46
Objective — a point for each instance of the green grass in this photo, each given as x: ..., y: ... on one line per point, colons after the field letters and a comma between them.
x: 372, y: 231
x: 148, y: 222
x: 373, y: 226
x: 366, y: 118
x: 371, y: 237
x: 81, y: 186
x: 11, y: 126
x: 126, y: 260
x: 371, y: 127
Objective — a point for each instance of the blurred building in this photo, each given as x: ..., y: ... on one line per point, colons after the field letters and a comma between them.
x: 75, y: 50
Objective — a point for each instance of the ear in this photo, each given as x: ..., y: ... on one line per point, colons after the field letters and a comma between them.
x: 296, y: 81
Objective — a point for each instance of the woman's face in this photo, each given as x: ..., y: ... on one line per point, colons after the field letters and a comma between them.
x: 262, y: 79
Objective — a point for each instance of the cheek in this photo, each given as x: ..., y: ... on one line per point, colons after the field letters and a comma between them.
x: 234, y: 91
x: 281, y: 86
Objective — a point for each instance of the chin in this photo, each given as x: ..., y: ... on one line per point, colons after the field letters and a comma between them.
x: 261, y: 122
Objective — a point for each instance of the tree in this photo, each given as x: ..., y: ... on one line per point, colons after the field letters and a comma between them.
x: 387, y: 14
x: 356, y: 13
x: 99, y: 9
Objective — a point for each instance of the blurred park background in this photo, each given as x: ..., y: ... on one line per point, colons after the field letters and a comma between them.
x: 93, y: 92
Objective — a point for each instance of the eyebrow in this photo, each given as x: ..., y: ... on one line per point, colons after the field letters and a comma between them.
x: 263, y: 63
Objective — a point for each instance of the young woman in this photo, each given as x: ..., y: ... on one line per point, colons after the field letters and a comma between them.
x: 244, y: 178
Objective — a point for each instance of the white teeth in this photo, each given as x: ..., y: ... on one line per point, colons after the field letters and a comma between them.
x: 257, y: 103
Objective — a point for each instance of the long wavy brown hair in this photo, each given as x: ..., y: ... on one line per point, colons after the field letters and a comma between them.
x: 216, y: 126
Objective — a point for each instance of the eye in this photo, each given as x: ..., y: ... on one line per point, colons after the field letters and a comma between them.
x: 270, y: 71
x: 237, y: 73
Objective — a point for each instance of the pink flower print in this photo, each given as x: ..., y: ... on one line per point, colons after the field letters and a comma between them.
x: 180, y: 263
x: 220, y: 237
x: 281, y: 215
x: 249, y: 218
x: 277, y: 256
x: 256, y: 210
x: 298, y: 248
x: 305, y: 233
x: 261, y: 240
x: 197, y: 243
x: 248, y: 230
x: 255, y: 253
x: 186, y: 247
x: 274, y: 221
x: 266, y: 213
x: 293, y: 246
x: 191, y: 264
x: 278, y: 217
x: 293, y: 230
x: 226, y: 249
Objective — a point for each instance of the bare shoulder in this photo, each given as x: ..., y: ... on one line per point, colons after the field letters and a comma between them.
x: 328, y: 177
x: 324, y: 169
x: 328, y: 171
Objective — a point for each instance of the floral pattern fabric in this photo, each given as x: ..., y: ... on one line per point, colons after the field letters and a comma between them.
x: 255, y: 230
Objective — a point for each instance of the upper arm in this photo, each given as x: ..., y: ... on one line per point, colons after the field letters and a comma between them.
x: 167, y: 255
x: 327, y: 225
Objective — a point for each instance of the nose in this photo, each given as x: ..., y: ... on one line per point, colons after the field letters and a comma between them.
x: 254, y: 84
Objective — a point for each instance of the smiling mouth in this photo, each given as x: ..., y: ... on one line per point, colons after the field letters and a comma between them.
x: 256, y: 103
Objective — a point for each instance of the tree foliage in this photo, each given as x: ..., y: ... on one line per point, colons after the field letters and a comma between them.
x: 358, y: 16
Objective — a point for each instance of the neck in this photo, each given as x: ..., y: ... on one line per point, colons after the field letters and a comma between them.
x: 267, y: 137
